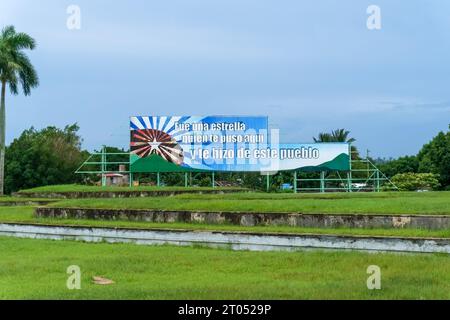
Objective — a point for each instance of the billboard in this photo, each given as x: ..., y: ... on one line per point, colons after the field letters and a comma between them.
x: 223, y: 143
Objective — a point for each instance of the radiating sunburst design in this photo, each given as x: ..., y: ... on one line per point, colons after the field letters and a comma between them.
x: 162, y: 127
x: 146, y: 142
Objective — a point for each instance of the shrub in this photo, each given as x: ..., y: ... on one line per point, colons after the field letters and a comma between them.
x: 416, y: 181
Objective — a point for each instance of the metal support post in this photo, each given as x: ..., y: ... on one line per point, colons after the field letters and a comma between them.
x: 104, y: 166
x: 378, y: 180
x: 349, y: 173
x: 322, y: 181
x: 295, y: 181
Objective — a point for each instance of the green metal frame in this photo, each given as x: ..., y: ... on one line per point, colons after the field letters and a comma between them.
x: 104, y: 164
x: 361, y: 171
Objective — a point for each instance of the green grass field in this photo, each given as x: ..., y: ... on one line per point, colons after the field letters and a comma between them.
x: 12, y: 200
x: 83, y: 188
x: 382, y: 203
x: 36, y: 269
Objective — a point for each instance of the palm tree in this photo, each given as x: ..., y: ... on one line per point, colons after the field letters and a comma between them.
x: 341, y: 135
x: 338, y: 135
x: 324, y: 137
x: 15, y: 70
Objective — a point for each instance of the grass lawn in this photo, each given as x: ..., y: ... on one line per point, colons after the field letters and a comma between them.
x: 376, y: 203
x: 6, y: 200
x: 83, y: 188
x: 25, y: 215
x: 36, y: 269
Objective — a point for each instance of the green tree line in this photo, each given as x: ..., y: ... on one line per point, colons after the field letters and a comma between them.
x: 434, y: 157
x: 43, y: 157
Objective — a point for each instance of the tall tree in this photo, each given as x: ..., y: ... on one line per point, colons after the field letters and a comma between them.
x: 435, y: 157
x: 407, y: 164
x: 16, y: 71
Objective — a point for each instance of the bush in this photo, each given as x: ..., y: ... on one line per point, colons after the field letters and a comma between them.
x: 416, y: 181
x: 205, y: 182
x: 43, y: 157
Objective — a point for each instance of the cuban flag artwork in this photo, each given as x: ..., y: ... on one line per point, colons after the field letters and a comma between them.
x: 174, y: 138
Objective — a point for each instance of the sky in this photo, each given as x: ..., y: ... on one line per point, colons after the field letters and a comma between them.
x: 310, y: 66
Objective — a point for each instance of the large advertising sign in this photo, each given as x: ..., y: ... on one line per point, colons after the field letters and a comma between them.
x: 223, y: 143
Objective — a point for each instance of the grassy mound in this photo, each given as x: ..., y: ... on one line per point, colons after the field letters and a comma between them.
x: 26, y: 215
x: 352, y: 203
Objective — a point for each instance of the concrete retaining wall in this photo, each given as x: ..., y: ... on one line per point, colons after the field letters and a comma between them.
x: 233, y: 240
x: 254, y: 219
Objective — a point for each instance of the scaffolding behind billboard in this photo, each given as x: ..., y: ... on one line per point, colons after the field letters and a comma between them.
x: 363, y: 176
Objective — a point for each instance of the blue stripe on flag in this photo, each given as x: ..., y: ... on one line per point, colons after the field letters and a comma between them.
x: 141, y: 120
x: 133, y: 126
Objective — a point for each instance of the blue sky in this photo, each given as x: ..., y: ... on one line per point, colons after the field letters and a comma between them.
x: 310, y: 67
